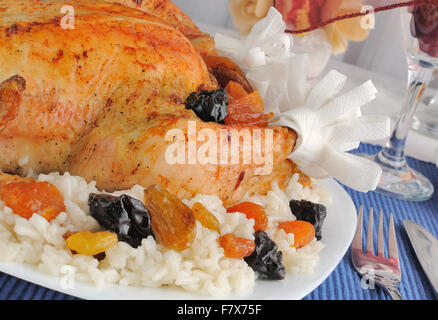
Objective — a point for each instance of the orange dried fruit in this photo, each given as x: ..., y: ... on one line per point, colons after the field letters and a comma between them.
x: 252, y: 211
x: 205, y: 217
x: 254, y: 100
x: 235, y: 90
x: 236, y: 247
x: 245, y: 114
x: 304, y: 232
x: 225, y: 71
x: 8, y: 178
x: 303, y: 179
x: 90, y: 244
x: 173, y: 223
x: 27, y: 198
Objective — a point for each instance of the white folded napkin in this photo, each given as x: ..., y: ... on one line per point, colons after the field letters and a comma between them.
x: 327, y: 124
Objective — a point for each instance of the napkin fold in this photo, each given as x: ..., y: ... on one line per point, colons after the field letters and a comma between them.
x: 328, y: 124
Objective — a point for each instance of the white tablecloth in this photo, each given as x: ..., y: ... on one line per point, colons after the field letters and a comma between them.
x: 391, y: 93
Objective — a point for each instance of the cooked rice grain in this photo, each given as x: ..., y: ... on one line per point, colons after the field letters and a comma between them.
x: 200, y: 269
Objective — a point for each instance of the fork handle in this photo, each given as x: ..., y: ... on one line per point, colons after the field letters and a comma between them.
x: 394, y: 293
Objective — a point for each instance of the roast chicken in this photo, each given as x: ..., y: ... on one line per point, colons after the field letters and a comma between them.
x: 97, y: 100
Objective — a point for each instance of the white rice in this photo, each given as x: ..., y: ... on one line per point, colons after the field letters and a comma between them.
x: 201, y: 269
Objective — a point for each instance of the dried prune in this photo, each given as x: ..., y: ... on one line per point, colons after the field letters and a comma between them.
x: 124, y: 215
x: 311, y: 212
x: 210, y: 106
x: 266, y: 258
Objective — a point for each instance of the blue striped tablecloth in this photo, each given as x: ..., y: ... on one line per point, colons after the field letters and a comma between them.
x: 343, y: 283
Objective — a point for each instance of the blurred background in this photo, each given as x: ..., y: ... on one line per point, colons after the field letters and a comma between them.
x: 382, y: 52
x: 381, y: 57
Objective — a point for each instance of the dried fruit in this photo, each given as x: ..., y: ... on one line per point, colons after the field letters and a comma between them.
x: 303, y: 179
x: 27, y: 198
x: 252, y: 211
x: 266, y: 258
x: 173, y: 223
x: 91, y: 244
x: 210, y: 106
x: 304, y: 232
x: 225, y: 71
x: 124, y: 215
x: 244, y: 115
x: 205, y: 217
x: 254, y: 100
x: 311, y: 212
x: 245, y: 108
x: 236, y: 247
x: 235, y: 90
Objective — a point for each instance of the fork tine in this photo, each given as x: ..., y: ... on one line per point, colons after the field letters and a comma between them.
x: 370, y: 243
x: 392, y: 241
x: 357, y: 240
x: 380, y: 246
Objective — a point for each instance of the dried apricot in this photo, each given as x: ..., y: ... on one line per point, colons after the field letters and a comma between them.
x: 235, y: 90
x: 8, y: 178
x: 27, y: 198
x: 173, y: 223
x: 90, y: 244
x: 304, y: 232
x: 205, y: 217
x: 236, y: 247
x: 303, y: 179
x: 252, y: 211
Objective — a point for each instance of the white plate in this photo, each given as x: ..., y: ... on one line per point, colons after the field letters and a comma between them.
x: 337, y: 232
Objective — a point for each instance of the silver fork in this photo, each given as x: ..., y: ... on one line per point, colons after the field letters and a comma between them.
x: 384, y: 271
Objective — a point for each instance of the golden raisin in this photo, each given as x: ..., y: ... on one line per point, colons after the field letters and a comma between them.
x: 205, y: 217
x: 236, y: 247
x: 240, y: 112
x: 90, y: 244
x: 252, y: 211
x: 173, y: 223
x: 27, y: 198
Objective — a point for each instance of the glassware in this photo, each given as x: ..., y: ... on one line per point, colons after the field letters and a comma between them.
x: 420, y: 31
x: 425, y: 120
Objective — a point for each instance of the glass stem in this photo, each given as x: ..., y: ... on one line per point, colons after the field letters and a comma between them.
x: 393, y: 155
